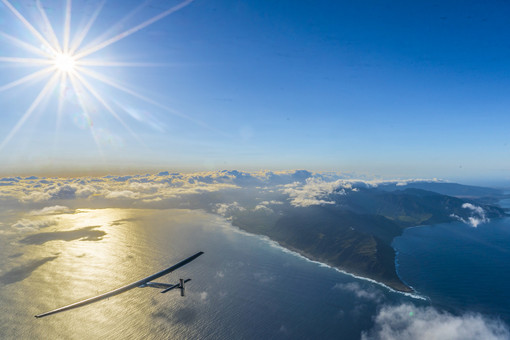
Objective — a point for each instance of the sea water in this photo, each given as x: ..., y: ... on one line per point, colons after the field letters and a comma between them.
x: 243, y: 287
x: 459, y: 267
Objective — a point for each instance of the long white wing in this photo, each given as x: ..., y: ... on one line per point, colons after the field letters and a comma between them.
x: 121, y: 289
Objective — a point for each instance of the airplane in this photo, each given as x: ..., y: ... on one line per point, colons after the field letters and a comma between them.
x: 145, y: 282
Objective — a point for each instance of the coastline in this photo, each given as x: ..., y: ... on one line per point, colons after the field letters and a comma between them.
x: 296, y: 252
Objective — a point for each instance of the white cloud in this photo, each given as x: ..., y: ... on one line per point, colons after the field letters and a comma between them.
x: 478, y: 215
x: 56, y: 209
x: 360, y: 292
x: 313, y: 192
x: 271, y: 202
x: 31, y: 225
x: 225, y: 209
x: 475, y: 208
x: 122, y: 194
x: 423, y: 323
x: 303, y: 187
x: 262, y: 207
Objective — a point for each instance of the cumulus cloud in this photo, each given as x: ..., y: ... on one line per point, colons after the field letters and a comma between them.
x: 225, y: 209
x: 313, y: 192
x: 302, y: 187
x: 477, y: 215
x: 64, y: 192
x: 262, y: 207
x: 423, y: 323
x: 122, y: 194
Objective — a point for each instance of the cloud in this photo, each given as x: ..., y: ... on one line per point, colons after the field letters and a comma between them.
x: 477, y: 215
x: 122, y: 194
x: 31, y: 225
x: 365, y: 294
x: 64, y: 192
x: 313, y: 192
x: 261, y: 207
x: 407, y: 321
x: 56, y: 209
x: 303, y: 188
x: 225, y: 209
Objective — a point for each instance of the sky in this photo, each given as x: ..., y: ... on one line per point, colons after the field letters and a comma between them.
x: 402, y: 89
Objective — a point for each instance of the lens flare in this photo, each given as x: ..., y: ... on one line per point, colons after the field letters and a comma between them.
x: 65, y: 60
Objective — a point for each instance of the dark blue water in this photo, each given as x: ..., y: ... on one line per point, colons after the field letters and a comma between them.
x: 459, y: 267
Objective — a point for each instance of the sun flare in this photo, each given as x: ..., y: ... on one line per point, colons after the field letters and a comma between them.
x: 64, y: 62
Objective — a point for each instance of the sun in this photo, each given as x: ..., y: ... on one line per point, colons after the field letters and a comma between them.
x: 64, y: 62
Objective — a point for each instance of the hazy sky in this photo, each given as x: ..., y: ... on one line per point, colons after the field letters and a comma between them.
x: 396, y: 89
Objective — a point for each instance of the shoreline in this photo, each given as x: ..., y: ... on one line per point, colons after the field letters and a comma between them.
x: 413, y: 294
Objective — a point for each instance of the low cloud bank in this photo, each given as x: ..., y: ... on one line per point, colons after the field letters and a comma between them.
x: 424, y: 323
x: 301, y: 188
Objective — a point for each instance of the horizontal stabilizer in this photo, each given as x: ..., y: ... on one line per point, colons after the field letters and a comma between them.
x: 175, y: 286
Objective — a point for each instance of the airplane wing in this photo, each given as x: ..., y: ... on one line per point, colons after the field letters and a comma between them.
x: 123, y: 289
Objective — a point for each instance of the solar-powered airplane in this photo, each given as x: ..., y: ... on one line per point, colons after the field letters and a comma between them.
x: 145, y: 282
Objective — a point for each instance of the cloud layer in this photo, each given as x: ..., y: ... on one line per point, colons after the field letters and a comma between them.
x: 300, y: 188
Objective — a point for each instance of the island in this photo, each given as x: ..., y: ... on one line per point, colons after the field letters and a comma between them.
x: 354, y: 231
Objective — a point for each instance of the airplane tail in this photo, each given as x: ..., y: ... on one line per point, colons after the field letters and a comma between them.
x: 180, y: 285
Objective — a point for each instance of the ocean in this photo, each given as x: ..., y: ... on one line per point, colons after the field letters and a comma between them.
x: 459, y: 267
x: 243, y: 287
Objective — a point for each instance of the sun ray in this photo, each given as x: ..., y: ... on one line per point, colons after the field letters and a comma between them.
x: 28, y: 78
x: 63, y: 85
x: 130, y: 31
x: 47, y: 88
x: 116, y: 26
x: 26, y: 46
x: 49, y: 28
x: 117, y: 64
x: 78, y: 38
x: 76, y: 88
x: 65, y: 59
x: 100, y: 99
x: 31, y: 61
x: 31, y: 28
x: 67, y: 28
x: 120, y: 87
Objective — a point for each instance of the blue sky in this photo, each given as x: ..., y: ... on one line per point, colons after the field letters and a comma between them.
x: 400, y: 89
